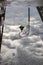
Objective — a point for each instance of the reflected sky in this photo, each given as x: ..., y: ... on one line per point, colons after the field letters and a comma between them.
x: 18, y: 15
x: 19, y: 50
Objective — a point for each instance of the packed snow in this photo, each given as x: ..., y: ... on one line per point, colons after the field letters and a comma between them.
x: 26, y: 47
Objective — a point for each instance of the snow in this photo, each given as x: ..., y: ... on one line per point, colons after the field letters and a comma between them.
x: 18, y: 48
x: 27, y: 3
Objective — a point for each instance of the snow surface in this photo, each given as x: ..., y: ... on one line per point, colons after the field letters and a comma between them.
x: 22, y: 50
x: 27, y: 3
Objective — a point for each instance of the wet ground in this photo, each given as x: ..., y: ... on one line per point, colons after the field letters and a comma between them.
x: 26, y: 50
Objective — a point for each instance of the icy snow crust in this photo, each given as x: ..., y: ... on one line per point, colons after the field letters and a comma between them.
x: 23, y: 50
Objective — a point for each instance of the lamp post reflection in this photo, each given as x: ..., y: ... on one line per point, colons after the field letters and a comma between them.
x: 2, y: 18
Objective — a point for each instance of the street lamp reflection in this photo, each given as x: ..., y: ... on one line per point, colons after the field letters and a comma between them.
x: 2, y: 18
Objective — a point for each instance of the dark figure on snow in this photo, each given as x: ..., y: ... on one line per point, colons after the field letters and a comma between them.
x: 21, y: 28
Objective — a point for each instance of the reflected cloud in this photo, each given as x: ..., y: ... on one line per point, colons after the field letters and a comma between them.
x: 19, y: 50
